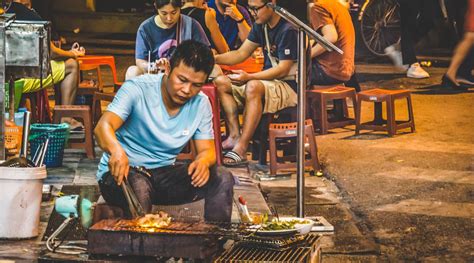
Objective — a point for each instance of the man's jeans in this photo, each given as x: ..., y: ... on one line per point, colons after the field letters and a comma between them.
x: 171, y: 185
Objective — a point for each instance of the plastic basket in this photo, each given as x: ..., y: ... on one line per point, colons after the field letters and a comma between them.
x: 58, y: 135
x: 13, y: 139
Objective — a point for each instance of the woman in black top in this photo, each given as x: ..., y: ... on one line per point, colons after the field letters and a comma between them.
x: 207, y: 19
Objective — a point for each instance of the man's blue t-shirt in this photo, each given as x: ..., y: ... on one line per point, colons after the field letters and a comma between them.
x: 150, y: 137
x: 228, y: 26
x: 283, y: 39
x: 162, y: 42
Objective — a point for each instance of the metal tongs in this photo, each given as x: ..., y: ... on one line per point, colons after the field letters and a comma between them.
x: 136, y: 209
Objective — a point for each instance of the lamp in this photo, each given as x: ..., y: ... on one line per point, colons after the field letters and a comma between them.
x: 72, y: 207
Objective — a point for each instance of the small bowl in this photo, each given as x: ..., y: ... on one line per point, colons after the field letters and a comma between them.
x: 304, y: 228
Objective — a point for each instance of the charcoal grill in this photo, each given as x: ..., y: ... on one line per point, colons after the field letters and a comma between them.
x: 180, y: 239
x: 198, y: 240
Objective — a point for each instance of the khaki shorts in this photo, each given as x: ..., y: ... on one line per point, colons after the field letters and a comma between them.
x: 58, y: 69
x: 278, y: 95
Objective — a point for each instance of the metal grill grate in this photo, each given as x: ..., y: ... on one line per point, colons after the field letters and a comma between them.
x: 303, y: 251
x: 241, y: 254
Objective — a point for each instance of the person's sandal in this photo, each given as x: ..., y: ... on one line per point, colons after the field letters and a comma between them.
x: 236, y: 160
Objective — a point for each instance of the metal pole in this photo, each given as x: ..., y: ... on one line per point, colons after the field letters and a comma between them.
x: 301, y: 119
x: 302, y: 55
x: 2, y: 88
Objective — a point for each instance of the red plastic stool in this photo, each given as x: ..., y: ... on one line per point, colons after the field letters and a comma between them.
x: 317, y: 102
x: 391, y: 125
x: 82, y: 112
x: 280, y: 131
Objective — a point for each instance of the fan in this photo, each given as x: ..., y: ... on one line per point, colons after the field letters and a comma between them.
x: 73, y: 208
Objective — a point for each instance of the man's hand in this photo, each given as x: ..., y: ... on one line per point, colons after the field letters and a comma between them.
x: 118, y: 165
x: 199, y: 172
x: 239, y: 76
x: 232, y: 11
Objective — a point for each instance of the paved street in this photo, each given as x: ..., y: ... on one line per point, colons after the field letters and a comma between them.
x: 413, y: 193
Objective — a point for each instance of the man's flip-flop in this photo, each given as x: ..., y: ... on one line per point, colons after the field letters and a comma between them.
x: 236, y: 159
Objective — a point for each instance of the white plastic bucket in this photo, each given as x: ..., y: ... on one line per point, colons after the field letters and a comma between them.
x: 20, y: 201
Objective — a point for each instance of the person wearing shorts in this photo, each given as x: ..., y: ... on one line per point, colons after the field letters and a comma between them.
x: 64, y: 66
x: 268, y: 91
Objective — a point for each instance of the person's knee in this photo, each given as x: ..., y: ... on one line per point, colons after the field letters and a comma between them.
x: 133, y: 71
x: 254, y: 89
x: 223, y: 84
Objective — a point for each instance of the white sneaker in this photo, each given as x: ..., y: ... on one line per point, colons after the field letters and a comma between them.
x: 396, y: 56
x: 417, y: 72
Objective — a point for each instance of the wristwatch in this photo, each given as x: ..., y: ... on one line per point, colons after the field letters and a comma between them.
x: 241, y: 20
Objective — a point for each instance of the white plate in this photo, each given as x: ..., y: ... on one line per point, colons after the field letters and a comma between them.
x: 275, y: 232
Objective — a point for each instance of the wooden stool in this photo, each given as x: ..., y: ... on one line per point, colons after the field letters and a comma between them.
x: 288, y: 130
x: 317, y: 102
x: 378, y: 96
x: 82, y: 112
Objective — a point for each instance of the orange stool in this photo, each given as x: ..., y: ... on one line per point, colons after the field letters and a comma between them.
x: 288, y: 130
x: 317, y: 102
x: 82, y: 112
x: 378, y: 96
x: 91, y: 61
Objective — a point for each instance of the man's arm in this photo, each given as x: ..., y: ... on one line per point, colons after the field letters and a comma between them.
x: 237, y: 56
x: 329, y: 33
x: 206, y: 157
x: 105, y: 135
x: 244, y: 30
